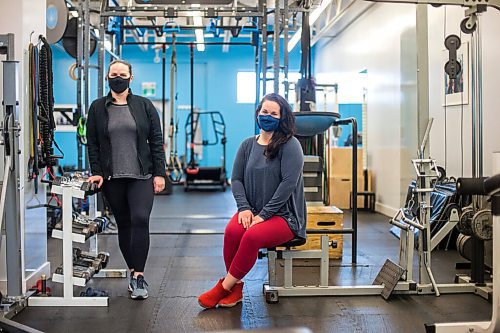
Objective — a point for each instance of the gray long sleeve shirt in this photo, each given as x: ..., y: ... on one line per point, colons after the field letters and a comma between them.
x: 123, y: 136
x: 271, y: 187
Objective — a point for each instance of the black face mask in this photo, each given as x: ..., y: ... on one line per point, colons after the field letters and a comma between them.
x: 118, y: 84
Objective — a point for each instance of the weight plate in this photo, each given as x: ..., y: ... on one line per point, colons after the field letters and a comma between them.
x: 464, y: 246
x: 464, y: 224
x: 56, y: 20
x: 482, y: 225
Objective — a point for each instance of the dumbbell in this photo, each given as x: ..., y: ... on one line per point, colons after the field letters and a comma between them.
x: 79, y: 272
x: 96, y: 264
x: 90, y: 229
x: 102, y: 256
x: 89, y: 188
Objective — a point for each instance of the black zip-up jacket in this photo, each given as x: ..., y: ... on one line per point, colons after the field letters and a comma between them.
x: 149, y: 137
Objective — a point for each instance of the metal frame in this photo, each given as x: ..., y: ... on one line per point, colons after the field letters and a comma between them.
x: 494, y: 324
x: 10, y: 205
x: 426, y: 284
x: 68, y: 192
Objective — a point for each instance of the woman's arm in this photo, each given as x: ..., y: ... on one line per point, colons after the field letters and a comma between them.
x: 292, y: 163
x: 237, y: 182
x: 156, y: 141
x: 93, y: 143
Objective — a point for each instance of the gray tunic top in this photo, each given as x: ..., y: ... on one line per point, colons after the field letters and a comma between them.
x: 123, y: 136
x: 271, y: 187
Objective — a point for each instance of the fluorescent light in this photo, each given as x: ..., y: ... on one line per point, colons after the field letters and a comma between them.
x: 107, y: 44
x: 294, y: 40
x: 195, y: 5
x: 200, y: 40
x: 317, y: 12
x: 312, y: 19
x: 227, y: 38
x: 195, y: 13
x: 197, y: 21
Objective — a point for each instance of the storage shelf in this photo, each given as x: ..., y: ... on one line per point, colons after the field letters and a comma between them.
x: 77, y: 238
x: 59, y: 278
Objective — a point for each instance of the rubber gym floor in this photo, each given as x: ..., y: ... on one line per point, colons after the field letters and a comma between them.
x: 183, y: 264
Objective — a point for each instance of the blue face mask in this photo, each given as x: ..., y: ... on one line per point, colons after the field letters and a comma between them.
x: 268, y: 123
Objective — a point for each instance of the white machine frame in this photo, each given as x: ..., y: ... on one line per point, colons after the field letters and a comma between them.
x: 494, y: 324
x: 68, y: 192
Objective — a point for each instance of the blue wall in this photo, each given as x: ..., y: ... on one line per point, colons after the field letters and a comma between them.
x: 215, y: 90
x: 348, y: 111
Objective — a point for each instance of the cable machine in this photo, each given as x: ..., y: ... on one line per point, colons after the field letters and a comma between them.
x: 198, y: 176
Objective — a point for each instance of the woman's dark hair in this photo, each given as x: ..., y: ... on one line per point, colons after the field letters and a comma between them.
x: 286, y: 129
x: 126, y: 63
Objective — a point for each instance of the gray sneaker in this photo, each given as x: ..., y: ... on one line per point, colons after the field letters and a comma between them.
x: 133, y: 283
x: 140, y: 291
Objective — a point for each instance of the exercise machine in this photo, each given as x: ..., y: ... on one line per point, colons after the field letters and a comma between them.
x: 174, y: 165
x: 482, y: 187
x: 197, y: 176
x: 10, y: 205
x: 201, y: 176
x: 392, y: 278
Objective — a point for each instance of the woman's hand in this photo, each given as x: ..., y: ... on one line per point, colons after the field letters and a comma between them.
x: 96, y: 179
x: 159, y: 184
x: 245, y: 217
x: 256, y: 220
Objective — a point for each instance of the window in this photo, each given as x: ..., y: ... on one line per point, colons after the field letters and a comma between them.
x: 246, y: 86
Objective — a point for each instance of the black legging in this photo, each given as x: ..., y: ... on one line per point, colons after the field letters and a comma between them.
x: 131, y: 201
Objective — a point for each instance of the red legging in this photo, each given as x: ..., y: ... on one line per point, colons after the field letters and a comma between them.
x: 241, y: 246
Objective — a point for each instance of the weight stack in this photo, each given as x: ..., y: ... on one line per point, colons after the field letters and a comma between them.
x: 313, y: 179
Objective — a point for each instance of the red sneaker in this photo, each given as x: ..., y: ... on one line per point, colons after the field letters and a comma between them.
x: 235, y: 297
x: 210, y: 298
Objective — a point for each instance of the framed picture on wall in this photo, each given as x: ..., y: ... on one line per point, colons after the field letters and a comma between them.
x: 456, y: 92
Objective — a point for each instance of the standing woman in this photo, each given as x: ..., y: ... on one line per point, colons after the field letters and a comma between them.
x: 268, y: 188
x: 125, y: 147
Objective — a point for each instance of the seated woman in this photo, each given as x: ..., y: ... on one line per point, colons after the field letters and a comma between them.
x: 268, y: 187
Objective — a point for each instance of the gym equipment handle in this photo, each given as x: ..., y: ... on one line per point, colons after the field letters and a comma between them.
x: 479, y: 186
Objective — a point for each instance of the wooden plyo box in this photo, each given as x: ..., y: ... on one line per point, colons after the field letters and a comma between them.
x: 324, y: 217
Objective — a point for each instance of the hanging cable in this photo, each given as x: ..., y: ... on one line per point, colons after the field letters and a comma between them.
x: 46, y: 104
x: 445, y: 108
x: 462, y: 120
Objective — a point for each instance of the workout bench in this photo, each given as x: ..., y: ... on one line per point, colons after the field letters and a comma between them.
x: 271, y: 289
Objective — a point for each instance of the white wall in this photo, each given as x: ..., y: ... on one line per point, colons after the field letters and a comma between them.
x: 374, y: 43
x: 383, y: 41
x: 25, y: 18
x: 490, y: 23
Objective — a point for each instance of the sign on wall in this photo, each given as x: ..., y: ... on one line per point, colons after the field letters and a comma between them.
x: 149, y: 89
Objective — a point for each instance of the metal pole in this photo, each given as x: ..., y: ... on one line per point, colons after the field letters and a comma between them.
x: 163, y: 90
x: 257, y: 74
x: 477, y: 102
x: 477, y: 267
x: 475, y: 172
x: 263, y: 56
x: 285, y: 47
x: 79, y: 57
x: 100, y: 57
x: 276, y: 55
x: 191, y: 144
x: 86, y: 48
x: 14, y: 253
x: 422, y: 71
